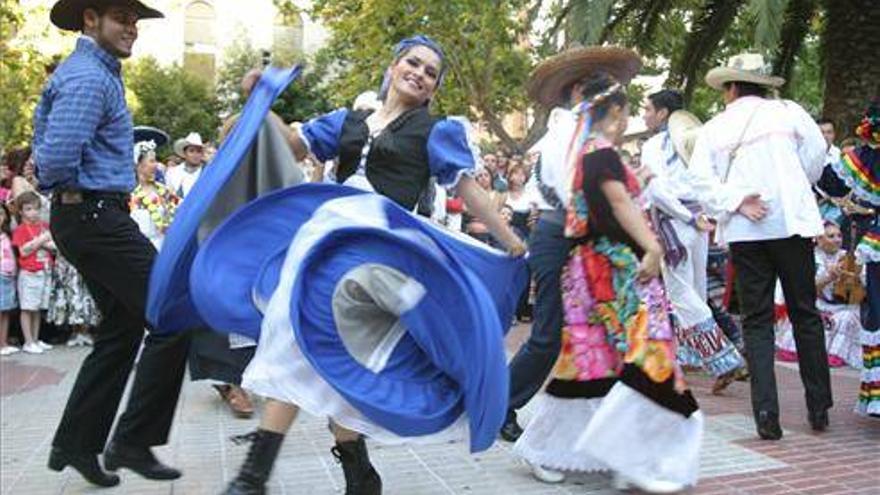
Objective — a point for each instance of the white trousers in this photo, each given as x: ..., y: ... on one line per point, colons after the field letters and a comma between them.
x: 686, y: 288
x: 686, y: 283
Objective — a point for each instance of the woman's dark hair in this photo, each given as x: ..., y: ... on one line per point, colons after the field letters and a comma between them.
x: 594, y: 91
x: 16, y: 158
x: 669, y: 99
x: 747, y: 89
x: 5, y: 224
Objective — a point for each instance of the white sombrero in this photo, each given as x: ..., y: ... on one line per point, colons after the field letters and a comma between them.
x: 683, y: 130
x: 745, y: 67
x: 191, y: 139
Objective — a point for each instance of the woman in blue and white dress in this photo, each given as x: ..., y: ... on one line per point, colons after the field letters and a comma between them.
x: 392, y: 151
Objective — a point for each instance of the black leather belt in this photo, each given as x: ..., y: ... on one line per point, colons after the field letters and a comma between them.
x: 77, y: 197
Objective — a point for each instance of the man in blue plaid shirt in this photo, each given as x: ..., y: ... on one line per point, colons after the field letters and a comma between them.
x: 83, y: 145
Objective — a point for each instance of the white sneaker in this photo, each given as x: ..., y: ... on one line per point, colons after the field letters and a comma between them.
x: 10, y: 349
x: 621, y: 483
x: 547, y: 475
x: 86, y: 339
x: 32, y: 348
x: 44, y: 345
x: 74, y: 341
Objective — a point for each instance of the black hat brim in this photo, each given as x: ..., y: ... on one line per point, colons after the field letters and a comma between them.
x: 147, y: 133
x: 68, y: 14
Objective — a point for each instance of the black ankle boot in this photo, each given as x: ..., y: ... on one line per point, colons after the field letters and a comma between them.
x: 360, y: 477
x: 255, y: 471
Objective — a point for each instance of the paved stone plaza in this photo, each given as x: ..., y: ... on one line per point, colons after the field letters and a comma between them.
x: 33, y: 390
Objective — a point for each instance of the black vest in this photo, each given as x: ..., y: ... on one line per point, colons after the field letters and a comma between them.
x: 397, y: 163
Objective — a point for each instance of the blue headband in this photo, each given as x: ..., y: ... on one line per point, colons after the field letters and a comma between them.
x: 402, y: 47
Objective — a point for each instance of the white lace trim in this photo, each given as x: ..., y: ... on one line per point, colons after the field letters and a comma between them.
x: 843, y: 337
x: 865, y: 409
x: 642, y: 440
x: 867, y: 254
x: 870, y: 338
x: 870, y: 375
x: 550, y: 437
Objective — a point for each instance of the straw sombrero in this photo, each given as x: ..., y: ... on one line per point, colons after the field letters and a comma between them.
x: 683, y: 130
x: 745, y: 67
x: 555, y: 75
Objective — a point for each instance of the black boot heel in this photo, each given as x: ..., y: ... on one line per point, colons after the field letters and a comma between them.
x: 257, y: 467
x: 360, y: 476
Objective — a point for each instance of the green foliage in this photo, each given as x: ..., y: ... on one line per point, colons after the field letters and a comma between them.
x: 171, y: 99
x: 304, y: 99
x: 768, y: 17
x: 22, y: 75
x: 288, y: 11
x: 586, y: 20
x: 238, y: 59
x: 807, y: 84
x: 487, y: 62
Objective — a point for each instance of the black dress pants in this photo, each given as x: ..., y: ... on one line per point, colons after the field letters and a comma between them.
x: 758, y: 264
x: 101, y: 240
x: 549, y: 250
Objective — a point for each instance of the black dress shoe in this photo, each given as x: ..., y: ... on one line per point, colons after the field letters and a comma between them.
x: 140, y: 460
x: 511, y: 430
x: 768, y: 425
x: 818, y: 420
x: 86, y: 464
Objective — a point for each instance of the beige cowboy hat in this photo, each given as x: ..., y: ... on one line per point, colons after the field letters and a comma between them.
x: 68, y: 14
x: 191, y: 139
x: 683, y: 130
x: 745, y: 67
x: 552, y: 77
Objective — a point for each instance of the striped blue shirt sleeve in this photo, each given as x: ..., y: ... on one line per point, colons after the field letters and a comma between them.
x: 77, y: 106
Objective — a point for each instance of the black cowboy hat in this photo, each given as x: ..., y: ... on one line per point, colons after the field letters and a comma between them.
x: 68, y: 14
x: 147, y: 133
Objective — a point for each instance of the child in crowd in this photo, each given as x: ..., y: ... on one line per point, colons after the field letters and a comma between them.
x: 8, y: 299
x: 35, y: 246
x: 71, y: 303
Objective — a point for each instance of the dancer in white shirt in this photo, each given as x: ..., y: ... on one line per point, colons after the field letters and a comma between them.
x: 754, y: 164
x: 684, y: 229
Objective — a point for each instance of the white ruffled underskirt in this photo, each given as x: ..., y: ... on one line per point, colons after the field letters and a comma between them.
x: 550, y: 438
x: 280, y: 371
x: 870, y: 338
x: 640, y: 439
x: 841, y: 340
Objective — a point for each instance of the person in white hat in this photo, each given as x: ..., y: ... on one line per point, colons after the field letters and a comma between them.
x: 182, y: 178
x: 754, y: 164
x: 684, y: 229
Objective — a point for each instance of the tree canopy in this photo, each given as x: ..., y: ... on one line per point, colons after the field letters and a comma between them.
x: 487, y: 56
x: 304, y: 99
x: 22, y: 74
x: 171, y: 99
x: 492, y: 46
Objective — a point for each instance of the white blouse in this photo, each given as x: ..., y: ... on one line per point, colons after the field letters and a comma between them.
x: 780, y: 152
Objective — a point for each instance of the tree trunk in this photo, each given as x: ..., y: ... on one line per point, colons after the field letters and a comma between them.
x: 794, y: 28
x: 709, y: 28
x: 852, y: 60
